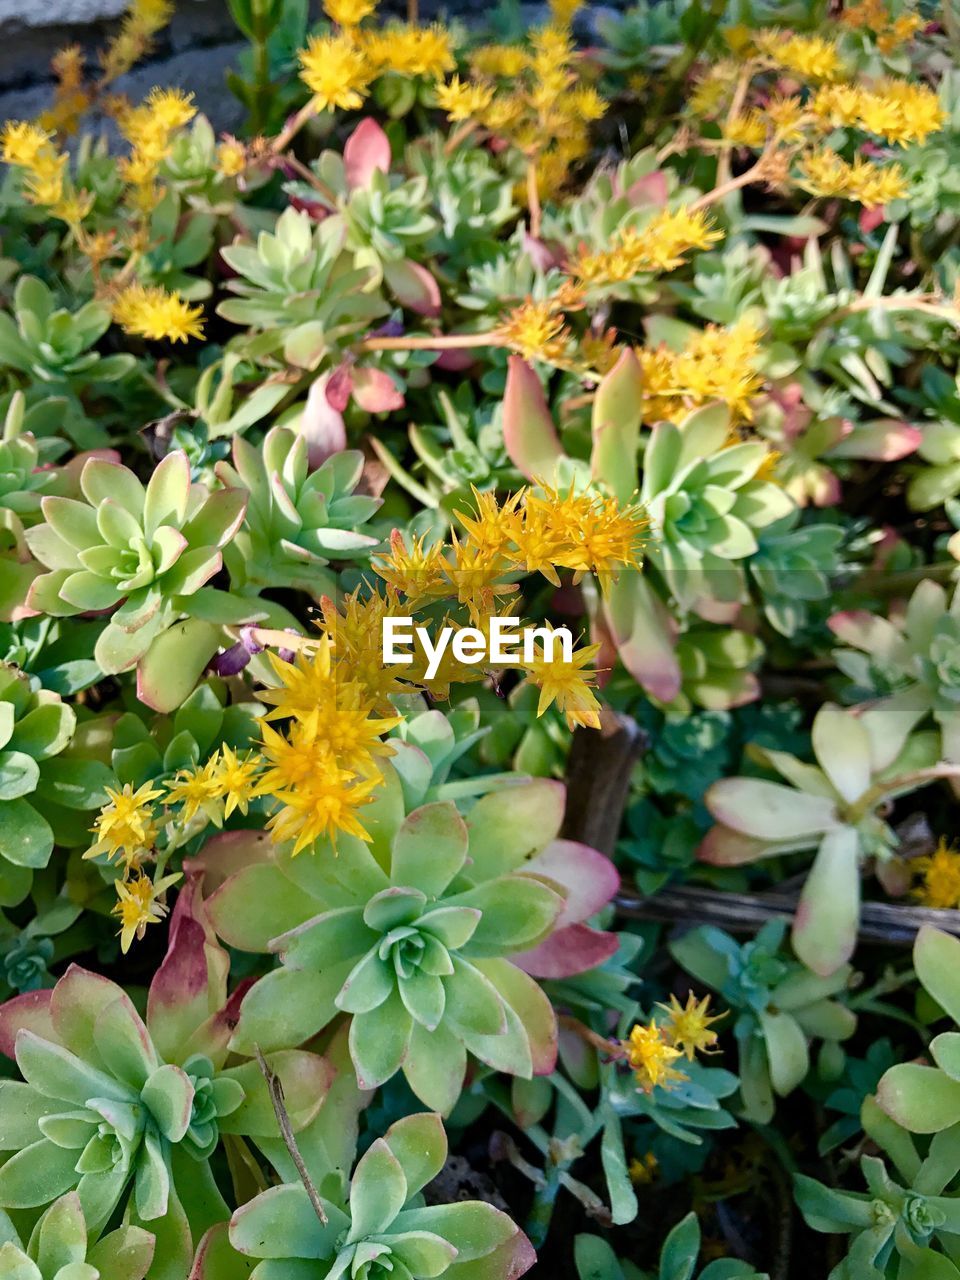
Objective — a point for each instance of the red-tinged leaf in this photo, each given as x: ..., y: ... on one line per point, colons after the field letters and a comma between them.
x: 30, y: 1010
x: 339, y: 385
x: 191, y: 983
x: 645, y: 634
x: 885, y: 440
x: 229, y: 852
x: 375, y: 391
x: 651, y: 189
x: 529, y: 435
x: 569, y: 951
x: 322, y: 424
x: 413, y: 286
x: 586, y: 877
x: 366, y: 150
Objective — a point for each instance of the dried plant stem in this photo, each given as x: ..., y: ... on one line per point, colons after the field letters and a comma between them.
x: 533, y: 198
x: 292, y: 128
x: 441, y: 342
x: 755, y: 173
x: 275, y: 1089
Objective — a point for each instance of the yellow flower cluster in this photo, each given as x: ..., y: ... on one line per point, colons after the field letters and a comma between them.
x: 149, y: 311
x: 899, y: 111
x: 150, y: 129
x: 651, y: 1050
x: 128, y: 828
x: 659, y: 246
x: 533, y: 96
x: 537, y: 330
x: 811, y: 57
x: 875, y: 16
x: 717, y: 364
x: 824, y: 173
x: 142, y: 21
x: 338, y: 69
x: 939, y: 877
x: 71, y: 96
x: 47, y: 182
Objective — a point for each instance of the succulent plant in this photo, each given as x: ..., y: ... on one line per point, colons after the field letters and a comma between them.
x: 835, y: 806
x: 127, y: 1111
x: 926, y: 1099
x: 468, y: 194
x: 297, y: 520
x: 55, y: 346
x: 779, y: 1005
x: 895, y: 1228
x: 911, y: 662
x: 595, y: 1259
x: 299, y: 285
x: 940, y: 446
x: 427, y: 938
x: 386, y: 218
x: 383, y: 1228
x: 35, y: 787
x: 707, y: 510
x: 23, y: 479
x: 143, y: 554
x: 59, y: 1248
x: 792, y: 568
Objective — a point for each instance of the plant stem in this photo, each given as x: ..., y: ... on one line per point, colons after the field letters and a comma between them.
x: 261, y: 68
x: 275, y: 1089
x: 533, y: 198
x: 442, y: 342
x: 292, y: 128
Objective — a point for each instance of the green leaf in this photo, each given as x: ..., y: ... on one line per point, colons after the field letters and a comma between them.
x: 18, y: 775
x: 378, y: 1042
x: 678, y: 1257
x: 420, y: 1144
x: 282, y: 1223
x: 786, y: 1051
x: 378, y: 1191
x: 936, y: 957
x: 75, y: 783
x: 430, y: 848
x: 45, y: 730
x: 922, y: 1099
x: 595, y: 1259
x: 26, y: 839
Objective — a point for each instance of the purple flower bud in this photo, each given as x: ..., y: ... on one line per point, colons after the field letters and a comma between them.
x: 231, y: 662
x: 391, y: 329
x: 288, y: 655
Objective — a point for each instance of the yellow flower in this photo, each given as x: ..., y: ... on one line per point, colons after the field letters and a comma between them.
x: 231, y: 157
x: 717, y: 364
x: 812, y: 57
x: 336, y: 71
x: 536, y: 330
x: 939, y: 874
x: 73, y: 207
x: 409, y: 51
x: 125, y: 826
x: 23, y: 142
x: 688, y: 1026
x: 235, y: 778
x: 463, y: 101
x: 900, y: 111
x: 148, y: 311
x: 643, y: 1171
x: 198, y: 791
x: 649, y: 1054
x: 659, y: 246
x: 824, y: 173
x: 349, y: 13
x: 501, y: 60
x: 749, y: 129
x: 562, y: 11
x: 566, y: 684
x: 138, y: 906
x: 316, y: 796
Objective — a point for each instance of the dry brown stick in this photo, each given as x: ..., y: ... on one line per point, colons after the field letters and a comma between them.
x: 598, y: 779
x: 886, y: 922
x: 275, y: 1089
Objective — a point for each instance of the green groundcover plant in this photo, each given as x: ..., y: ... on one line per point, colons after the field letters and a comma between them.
x: 635, y: 333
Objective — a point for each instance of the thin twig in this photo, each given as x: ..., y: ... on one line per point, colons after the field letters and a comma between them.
x: 275, y: 1089
x: 442, y: 342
